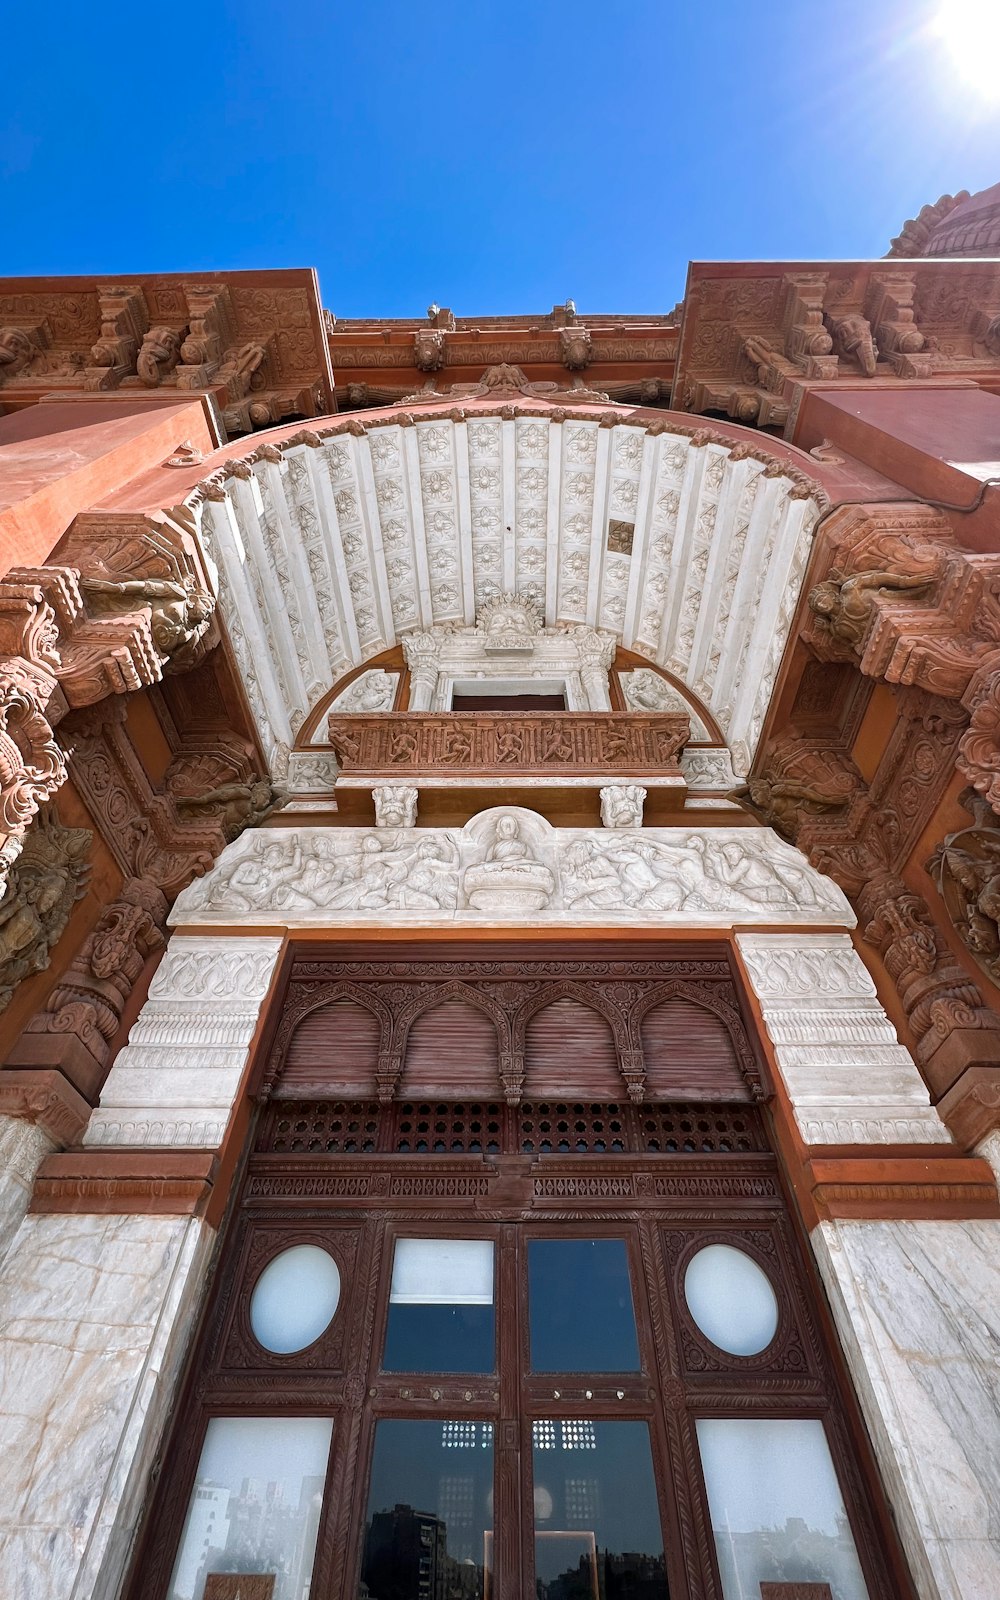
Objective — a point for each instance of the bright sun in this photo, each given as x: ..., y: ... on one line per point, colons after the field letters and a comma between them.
x: 971, y: 31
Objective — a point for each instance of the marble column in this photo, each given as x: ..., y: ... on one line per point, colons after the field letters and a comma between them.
x: 917, y: 1307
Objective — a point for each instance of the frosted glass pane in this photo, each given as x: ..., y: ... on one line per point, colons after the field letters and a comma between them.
x: 255, y: 1505
x: 295, y: 1299
x: 442, y: 1272
x: 777, y: 1512
x: 731, y: 1300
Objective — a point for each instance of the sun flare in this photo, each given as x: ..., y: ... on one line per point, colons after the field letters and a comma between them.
x: 970, y: 29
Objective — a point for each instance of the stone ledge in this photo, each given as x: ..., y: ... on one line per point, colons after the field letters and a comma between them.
x: 156, y: 1182
x: 926, y: 1183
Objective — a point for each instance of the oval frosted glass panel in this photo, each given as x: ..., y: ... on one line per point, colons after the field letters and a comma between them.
x: 295, y: 1299
x: 731, y: 1300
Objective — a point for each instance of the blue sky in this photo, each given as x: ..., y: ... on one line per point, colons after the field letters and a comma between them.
x: 491, y: 156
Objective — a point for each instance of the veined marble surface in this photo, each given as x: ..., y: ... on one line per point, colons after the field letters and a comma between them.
x: 509, y: 864
x: 917, y: 1306
x: 95, y: 1313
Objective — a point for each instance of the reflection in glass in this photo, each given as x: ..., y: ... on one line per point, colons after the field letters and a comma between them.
x: 777, y: 1511
x: 255, y: 1505
x: 294, y: 1299
x: 597, y: 1527
x: 440, y: 1307
x: 580, y: 1306
x: 430, y: 1511
x: 731, y: 1300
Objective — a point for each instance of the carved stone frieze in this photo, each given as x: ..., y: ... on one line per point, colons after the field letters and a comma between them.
x: 49, y: 876
x: 491, y: 742
x: 502, y: 860
x: 256, y: 340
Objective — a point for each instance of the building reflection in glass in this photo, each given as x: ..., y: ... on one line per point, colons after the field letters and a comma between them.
x: 597, y: 1524
x: 255, y: 1507
x: 430, y: 1507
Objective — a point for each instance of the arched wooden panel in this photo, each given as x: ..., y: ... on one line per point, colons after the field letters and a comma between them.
x: 334, y: 1050
x: 451, y: 1050
x: 569, y: 1049
x: 689, y: 1054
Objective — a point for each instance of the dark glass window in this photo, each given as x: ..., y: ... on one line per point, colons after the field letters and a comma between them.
x: 507, y: 702
x: 597, y: 1526
x: 428, y: 1533
x: 580, y: 1308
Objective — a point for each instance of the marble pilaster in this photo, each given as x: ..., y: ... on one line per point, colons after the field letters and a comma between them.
x: 917, y: 1307
x: 95, y: 1314
x: 849, y: 1079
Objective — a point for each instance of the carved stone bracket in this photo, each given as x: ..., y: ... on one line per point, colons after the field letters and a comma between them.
x: 82, y: 1014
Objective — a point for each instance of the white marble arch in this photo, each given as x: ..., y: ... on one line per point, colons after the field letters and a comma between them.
x: 331, y: 550
x: 95, y: 1312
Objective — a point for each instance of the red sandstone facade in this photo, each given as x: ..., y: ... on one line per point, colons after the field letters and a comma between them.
x: 131, y: 755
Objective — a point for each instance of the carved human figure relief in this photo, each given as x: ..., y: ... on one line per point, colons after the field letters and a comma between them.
x: 621, y: 805
x: 510, y: 862
x: 395, y: 805
x: 511, y: 877
x: 374, y: 690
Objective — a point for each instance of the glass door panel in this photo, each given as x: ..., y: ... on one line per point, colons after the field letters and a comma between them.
x: 255, y: 1507
x: 778, y: 1515
x: 580, y: 1311
x: 428, y: 1531
x: 598, y: 1534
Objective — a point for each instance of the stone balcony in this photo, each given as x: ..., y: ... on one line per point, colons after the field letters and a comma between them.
x: 555, y: 762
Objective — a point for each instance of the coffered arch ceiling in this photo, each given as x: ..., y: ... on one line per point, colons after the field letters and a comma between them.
x: 333, y: 543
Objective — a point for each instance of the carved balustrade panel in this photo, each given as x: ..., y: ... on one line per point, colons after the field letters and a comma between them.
x: 488, y: 742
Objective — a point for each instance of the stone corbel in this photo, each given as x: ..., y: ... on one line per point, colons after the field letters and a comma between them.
x: 124, y: 323
x: 428, y: 349
x: 44, y: 1097
x: 211, y: 331
x: 985, y: 330
x: 853, y: 340
x: 904, y: 602
x: 979, y: 747
x: 889, y: 309
x: 19, y: 347
x: 74, y: 1031
x: 160, y: 353
x: 808, y: 341
x: 575, y: 347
